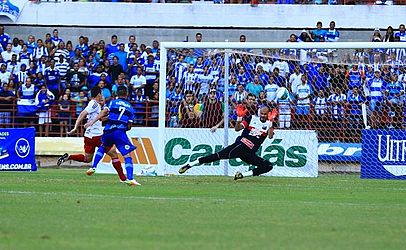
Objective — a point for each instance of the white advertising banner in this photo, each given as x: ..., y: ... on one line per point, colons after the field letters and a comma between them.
x: 294, y: 152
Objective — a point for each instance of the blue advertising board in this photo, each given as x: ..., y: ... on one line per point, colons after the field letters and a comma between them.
x: 17, y: 149
x: 383, y: 154
x: 339, y: 152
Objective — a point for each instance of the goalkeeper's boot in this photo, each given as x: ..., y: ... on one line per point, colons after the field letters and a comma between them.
x: 132, y: 183
x: 90, y: 171
x: 62, y: 159
x: 184, y: 168
x: 238, y: 175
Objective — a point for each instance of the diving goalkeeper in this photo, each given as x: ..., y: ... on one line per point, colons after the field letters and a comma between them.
x: 255, y: 129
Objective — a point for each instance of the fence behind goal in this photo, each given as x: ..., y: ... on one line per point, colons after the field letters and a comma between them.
x: 330, y: 93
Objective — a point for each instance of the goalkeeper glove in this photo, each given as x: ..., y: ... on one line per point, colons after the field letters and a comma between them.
x: 272, y: 114
x: 241, y: 111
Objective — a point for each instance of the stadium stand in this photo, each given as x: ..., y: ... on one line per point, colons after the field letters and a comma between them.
x: 326, y: 93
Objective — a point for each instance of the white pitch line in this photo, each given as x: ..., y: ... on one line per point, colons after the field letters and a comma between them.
x: 327, y: 203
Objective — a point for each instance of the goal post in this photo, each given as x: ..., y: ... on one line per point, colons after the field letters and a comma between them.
x: 327, y: 145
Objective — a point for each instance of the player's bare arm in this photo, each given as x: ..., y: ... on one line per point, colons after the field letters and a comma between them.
x: 82, y: 116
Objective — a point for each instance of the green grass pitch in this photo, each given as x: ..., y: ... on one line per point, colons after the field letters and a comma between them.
x: 65, y: 209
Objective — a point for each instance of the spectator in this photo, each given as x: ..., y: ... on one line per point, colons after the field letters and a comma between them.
x: 255, y: 87
x: 389, y: 35
x: 22, y: 74
x: 284, y: 111
x: 40, y: 50
x: 262, y: 101
x: 320, y: 113
x: 82, y: 67
x: 303, y: 96
x: 105, y: 91
x: 139, y: 107
x: 174, y: 100
x: 60, y: 50
x: 115, y: 69
x: 44, y: 100
x: 180, y: 68
x: 5, y: 76
x: 42, y: 64
x: 76, y: 58
x: 6, y: 101
x: 138, y: 81
x: 199, y: 52
x: 295, y: 80
x: 154, y: 112
x: 24, y: 56
x: 75, y: 80
x: 251, y: 105
x: 13, y: 66
x: 83, y: 47
x: 31, y: 44
x: 113, y: 46
x: 204, y: 80
x: 16, y: 47
x: 355, y: 78
x: 212, y: 111
x: 394, y: 90
x: 122, y: 56
x: 190, y: 79
x: 4, y: 38
x: 239, y: 96
x: 187, y: 116
x: 355, y: 100
x: 8, y: 53
x: 199, y: 66
x: 64, y: 114
x: 131, y: 42
x: 336, y: 102
x: 120, y: 82
x: 277, y: 78
x: 55, y: 39
x: 53, y: 79
x: 318, y: 33
x: 62, y: 66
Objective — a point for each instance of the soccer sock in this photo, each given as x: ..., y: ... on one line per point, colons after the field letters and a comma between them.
x: 248, y: 173
x: 194, y: 163
x: 129, y: 168
x: 78, y: 157
x: 98, y: 156
x: 118, y: 168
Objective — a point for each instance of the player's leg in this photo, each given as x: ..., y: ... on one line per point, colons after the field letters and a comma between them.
x: 106, y: 144
x: 263, y: 166
x: 232, y: 151
x: 90, y: 145
x: 116, y: 164
x: 125, y: 147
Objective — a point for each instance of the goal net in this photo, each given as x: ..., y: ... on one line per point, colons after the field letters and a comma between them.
x: 325, y: 95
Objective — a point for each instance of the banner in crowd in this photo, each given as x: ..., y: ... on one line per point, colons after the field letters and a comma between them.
x: 294, y: 153
x: 17, y: 149
x: 383, y: 154
x: 11, y: 8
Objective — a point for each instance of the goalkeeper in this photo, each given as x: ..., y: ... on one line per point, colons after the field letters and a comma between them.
x: 255, y: 129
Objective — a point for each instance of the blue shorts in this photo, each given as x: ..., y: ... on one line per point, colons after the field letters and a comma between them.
x: 302, y: 110
x: 118, y: 138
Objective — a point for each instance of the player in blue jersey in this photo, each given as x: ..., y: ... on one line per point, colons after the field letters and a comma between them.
x: 120, y: 115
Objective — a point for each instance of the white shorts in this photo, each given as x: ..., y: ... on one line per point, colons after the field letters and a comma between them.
x: 44, y: 117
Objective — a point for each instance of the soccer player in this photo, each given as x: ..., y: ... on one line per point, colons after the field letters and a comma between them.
x: 120, y: 114
x: 92, y: 137
x: 255, y: 130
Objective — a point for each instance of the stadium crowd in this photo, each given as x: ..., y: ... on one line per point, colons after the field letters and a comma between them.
x: 252, y: 2
x: 49, y: 81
